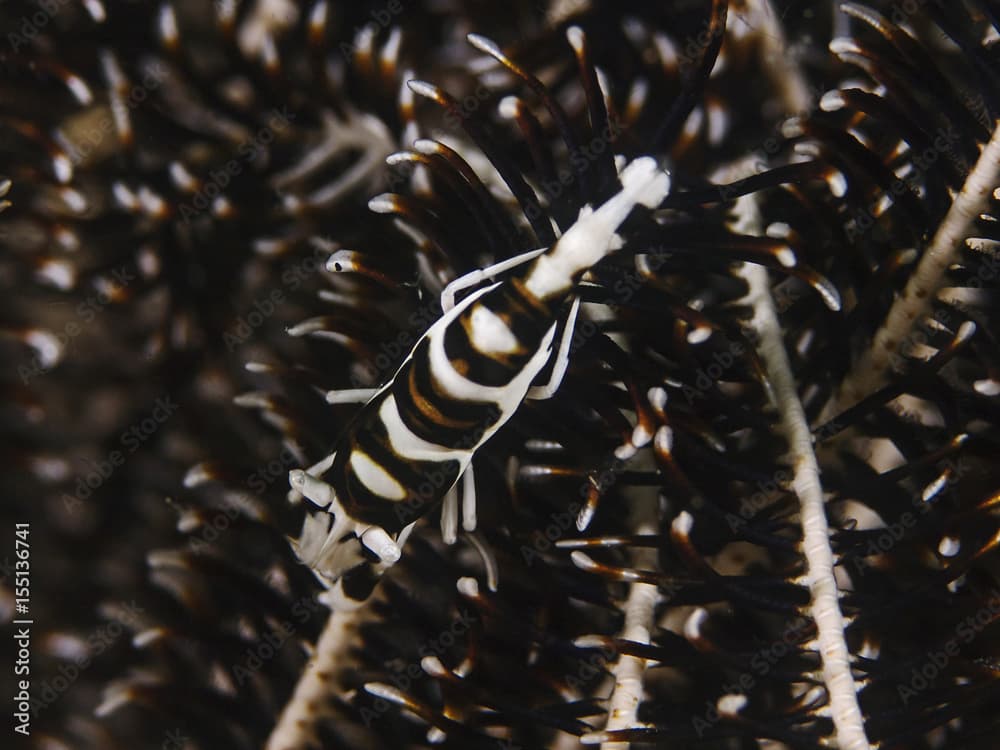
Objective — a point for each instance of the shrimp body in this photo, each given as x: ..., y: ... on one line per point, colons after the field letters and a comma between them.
x: 463, y: 380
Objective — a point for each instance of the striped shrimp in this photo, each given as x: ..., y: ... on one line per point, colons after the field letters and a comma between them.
x: 417, y: 435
